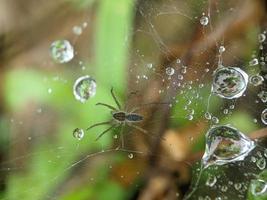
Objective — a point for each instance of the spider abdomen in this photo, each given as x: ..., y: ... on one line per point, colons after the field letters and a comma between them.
x: 133, y: 117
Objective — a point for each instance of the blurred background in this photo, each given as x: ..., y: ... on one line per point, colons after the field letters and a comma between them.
x: 127, y: 45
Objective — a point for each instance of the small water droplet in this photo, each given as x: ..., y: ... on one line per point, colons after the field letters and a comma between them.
x: 204, y: 20
x: 130, y: 155
x: 211, y: 181
x: 261, y: 163
x: 115, y: 136
x: 254, y: 62
x: 261, y: 37
x: 221, y: 49
x: 229, y: 82
x: 215, y: 120
x: 265, y: 153
x: 61, y: 51
x: 207, y: 115
x: 78, y: 133
x: 224, y: 188
x: 77, y: 30
x: 238, y: 186
x: 263, y: 96
x: 84, y: 88
x: 180, y: 77
x: 170, y: 71
x: 149, y: 65
x: 256, y: 80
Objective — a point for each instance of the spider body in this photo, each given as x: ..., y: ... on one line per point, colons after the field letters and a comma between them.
x: 134, y: 117
x: 120, y: 118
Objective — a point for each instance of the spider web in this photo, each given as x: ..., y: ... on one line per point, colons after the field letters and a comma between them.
x: 166, y: 34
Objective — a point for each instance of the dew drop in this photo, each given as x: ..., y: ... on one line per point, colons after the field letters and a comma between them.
x: 180, y: 77
x: 258, y: 186
x: 256, y: 80
x: 225, y: 144
x: 84, y: 88
x: 215, y: 120
x: 170, y: 71
x: 78, y: 133
x: 263, y: 96
x: 261, y: 37
x: 115, y: 136
x: 261, y: 163
x: 238, y: 186
x: 264, y: 119
x: 149, y: 65
x: 130, y: 155
x: 224, y: 188
x: 61, y: 51
x: 211, y: 181
x: 265, y: 153
x: 229, y: 82
x: 221, y: 49
x: 207, y: 115
x: 204, y: 20
x: 254, y: 62
x: 77, y: 30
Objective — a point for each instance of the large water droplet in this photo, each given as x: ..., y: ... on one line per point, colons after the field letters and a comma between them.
x: 225, y: 144
x: 84, y: 88
x: 78, y: 133
x: 204, y: 20
x: 229, y: 82
x: 264, y: 118
x: 61, y: 51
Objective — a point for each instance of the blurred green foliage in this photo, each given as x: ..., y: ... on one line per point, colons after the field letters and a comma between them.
x: 50, y: 165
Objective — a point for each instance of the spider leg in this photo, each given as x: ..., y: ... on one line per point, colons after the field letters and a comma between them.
x: 121, y: 137
x: 115, y: 99
x: 105, y: 131
x: 98, y: 124
x: 142, y: 130
x: 106, y: 105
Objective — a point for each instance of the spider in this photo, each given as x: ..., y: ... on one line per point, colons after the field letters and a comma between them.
x: 120, y: 118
